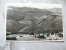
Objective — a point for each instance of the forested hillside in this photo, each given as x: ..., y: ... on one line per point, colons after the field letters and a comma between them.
x: 25, y: 19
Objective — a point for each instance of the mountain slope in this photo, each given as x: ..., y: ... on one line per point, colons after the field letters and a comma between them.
x: 25, y: 19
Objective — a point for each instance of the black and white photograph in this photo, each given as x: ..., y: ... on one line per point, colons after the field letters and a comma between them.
x: 34, y: 22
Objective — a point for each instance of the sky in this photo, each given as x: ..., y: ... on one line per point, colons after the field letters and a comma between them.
x: 35, y: 5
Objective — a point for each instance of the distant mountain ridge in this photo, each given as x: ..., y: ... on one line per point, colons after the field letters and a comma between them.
x: 20, y: 13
